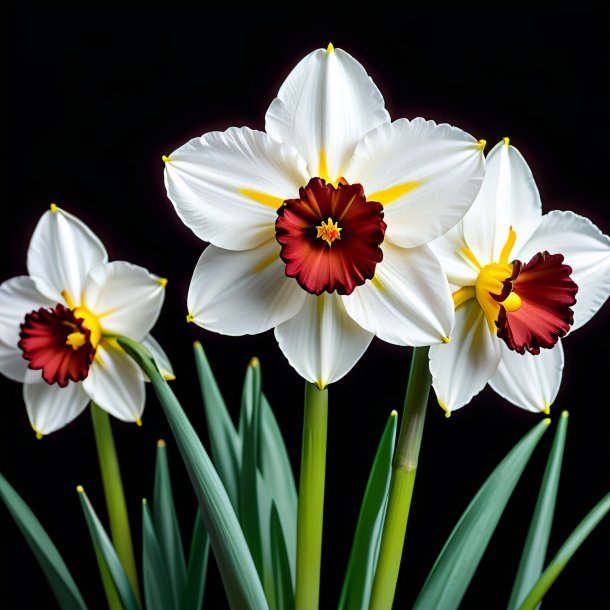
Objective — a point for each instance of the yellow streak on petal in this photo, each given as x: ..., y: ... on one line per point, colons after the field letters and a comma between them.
x: 106, y: 313
x: 190, y: 317
x: 162, y: 281
x: 387, y: 196
x: 472, y: 258
x: 462, y: 295
x: 54, y: 208
x: 266, y: 262
x: 323, y: 167
x: 377, y: 283
x: 508, y: 246
x: 330, y: 47
x: 68, y: 299
x: 506, y: 142
x: 264, y: 198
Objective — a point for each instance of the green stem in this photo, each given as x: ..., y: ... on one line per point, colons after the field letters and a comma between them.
x: 311, y: 498
x: 115, y: 497
x: 404, y: 469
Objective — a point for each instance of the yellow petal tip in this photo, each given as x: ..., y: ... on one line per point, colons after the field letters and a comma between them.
x: 394, y: 413
x: 330, y: 48
x: 482, y: 144
x: 506, y: 141
x: 446, y: 339
x: 80, y: 489
x: 169, y: 377
x: 443, y: 407
x: 547, y: 410
x: 162, y: 281
x: 447, y: 414
x: 54, y: 208
x: 190, y: 317
x: 139, y: 422
x: 254, y: 362
x: 166, y: 159
x: 161, y: 443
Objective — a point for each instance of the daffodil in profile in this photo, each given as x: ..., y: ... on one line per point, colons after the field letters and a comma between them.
x: 521, y: 281
x: 58, y: 325
x: 319, y: 226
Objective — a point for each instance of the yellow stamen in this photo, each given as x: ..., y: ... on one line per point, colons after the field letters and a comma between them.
x: 329, y: 231
x: 190, y: 317
x: 508, y: 246
x: 264, y: 198
x: 491, y: 281
x: 389, y: 195
x: 162, y: 281
x: 330, y: 48
x: 54, y: 208
x: 482, y: 144
x: 68, y: 299
x: 75, y: 340
x: 472, y: 258
x: 90, y: 322
x: 462, y: 295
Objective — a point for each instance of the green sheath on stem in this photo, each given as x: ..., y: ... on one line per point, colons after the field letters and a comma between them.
x: 404, y: 468
x: 311, y: 498
x: 115, y: 497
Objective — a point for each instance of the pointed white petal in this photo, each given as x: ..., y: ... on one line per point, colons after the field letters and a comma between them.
x: 165, y: 366
x: 426, y: 175
x: 12, y: 362
x: 461, y: 369
x: 227, y: 186
x: 322, y: 342
x: 50, y: 407
x: 508, y: 198
x: 530, y: 382
x: 325, y: 106
x: 243, y: 293
x: 408, y: 302
x: 18, y: 297
x: 126, y: 298
x: 116, y: 384
x: 585, y: 248
x: 62, y: 251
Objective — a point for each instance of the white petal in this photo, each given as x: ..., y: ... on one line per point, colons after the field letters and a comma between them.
x: 243, y: 293
x: 116, y: 384
x: 62, y: 251
x: 165, y: 366
x: 325, y: 106
x: 508, y: 198
x: 408, y: 302
x: 50, y: 407
x: 426, y: 175
x: 322, y: 342
x: 18, y: 297
x: 227, y: 186
x: 530, y: 382
x: 460, y: 369
x: 126, y: 298
x: 449, y: 251
x: 585, y: 248
x: 12, y: 362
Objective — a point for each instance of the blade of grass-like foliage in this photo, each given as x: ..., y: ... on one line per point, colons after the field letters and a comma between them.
x: 158, y: 586
x: 166, y: 525
x: 240, y: 579
x: 536, y: 543
x: 277, y: 473
x: 224, y: 441
x: 106, y: 553
x: 64, y: 588
x: 570, y: 546
x: 358, y: 582
x: 460, y: 557
x: 197, y: 567
x: 282, y: 578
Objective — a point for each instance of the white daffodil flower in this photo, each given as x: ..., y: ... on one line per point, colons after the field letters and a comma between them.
x: 319, y: 227
x: 520, y: 281
x: 58, y: 326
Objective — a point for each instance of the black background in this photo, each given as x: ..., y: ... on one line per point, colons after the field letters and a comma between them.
x: 91, y: 100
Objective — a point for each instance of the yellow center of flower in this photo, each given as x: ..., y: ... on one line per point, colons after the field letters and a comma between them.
x: 91, y: 321
x: 329, y: 231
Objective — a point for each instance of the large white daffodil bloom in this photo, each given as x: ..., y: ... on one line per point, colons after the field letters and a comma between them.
x: 318, y: 227
x: 520, y: 281
x: 58, y: 326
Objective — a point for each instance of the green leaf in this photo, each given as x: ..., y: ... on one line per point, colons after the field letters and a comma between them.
x: 166, y: 525
x: 224, y: 441
x: 570, y: 546
x: 197, y: 567
x: 106, y: 554
x: 282, y: 578
x: 64, y: 588
x: 241, y: 582
x: 534, y: 551
x: 158, y: 586
x: 358, y: 582
x: 460, y: 557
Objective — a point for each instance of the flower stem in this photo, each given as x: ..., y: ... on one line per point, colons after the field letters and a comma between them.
x: 404, y: 469
x: 115, y: 497
x: 311, y: 498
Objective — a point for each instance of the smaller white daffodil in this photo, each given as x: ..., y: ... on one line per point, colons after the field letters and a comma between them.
x: 520, y: 282
x: 58, y: 326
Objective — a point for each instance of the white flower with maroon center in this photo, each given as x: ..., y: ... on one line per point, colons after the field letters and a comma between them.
x: 58, y: 326
x: 318, y: 227
x: 521, y: 281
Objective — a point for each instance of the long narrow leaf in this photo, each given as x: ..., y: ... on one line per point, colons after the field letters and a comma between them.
x: 358, y: 582
x: 106, y: 552
x: 224, y: 441
x: 570, y: 546
x: 282, y: 578
x: 166, y: 525
x: 241, y: 582
x: 64, y: 588
x: 198, y: 566
x: 460, y: 557
x: 158, y: 586
x: 536, y: 543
